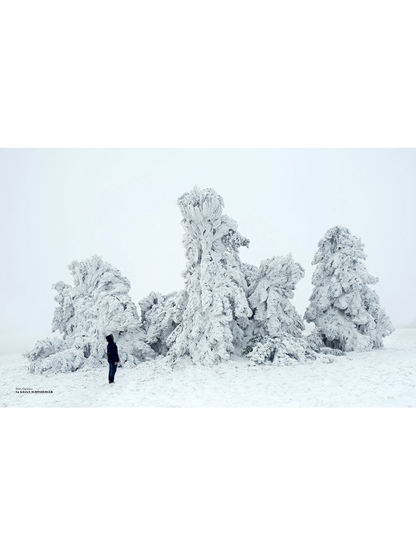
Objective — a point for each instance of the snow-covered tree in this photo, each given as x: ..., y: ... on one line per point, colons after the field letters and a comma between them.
x: 217, y: 309
x: 344, y: 309
x: 269, y: 296
x: 275, y: 331
x: 96, y: 305
x: 56, y: 355
x: 282, y: 350
x: 160, y: 316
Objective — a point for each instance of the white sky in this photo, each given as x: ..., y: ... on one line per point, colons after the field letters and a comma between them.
x: 61, y: 204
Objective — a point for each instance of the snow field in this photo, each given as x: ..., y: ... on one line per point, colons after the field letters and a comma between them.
x: 378, y: 378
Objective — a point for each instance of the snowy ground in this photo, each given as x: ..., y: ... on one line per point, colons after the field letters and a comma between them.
x: 380, y: 378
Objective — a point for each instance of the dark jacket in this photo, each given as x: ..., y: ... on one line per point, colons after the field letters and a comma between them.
x: 112, y: 352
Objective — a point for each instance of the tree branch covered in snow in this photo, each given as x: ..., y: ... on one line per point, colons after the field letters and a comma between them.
x: 283, y: 349
x: 160, y: 316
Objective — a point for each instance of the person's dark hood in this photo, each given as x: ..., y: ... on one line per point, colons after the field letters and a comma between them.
x: 110, y: 338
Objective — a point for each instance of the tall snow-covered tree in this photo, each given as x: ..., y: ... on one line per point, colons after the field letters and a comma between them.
x: 344, y: 309
x: 275, y: 331
x: 217, y: 309
x: 96, y: 305
x: 269, y: 296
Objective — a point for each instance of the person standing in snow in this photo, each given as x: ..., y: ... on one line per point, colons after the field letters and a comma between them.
x: 112, y: 356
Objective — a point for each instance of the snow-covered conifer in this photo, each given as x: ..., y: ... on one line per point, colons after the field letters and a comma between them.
x: 96, y: 305
x: 217, y: 309
x: 275, y: 331
x: 345, y: 311
x: 282, y: 350
x: 160, y: 316
x: 270, y: 292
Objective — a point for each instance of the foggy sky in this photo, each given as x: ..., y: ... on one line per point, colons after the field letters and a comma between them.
x: 61, y: 205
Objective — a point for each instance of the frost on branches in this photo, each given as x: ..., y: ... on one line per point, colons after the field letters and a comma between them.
x: 270, y: 292
x: 217, y: 310
x: 276, y: 327
x: 160, y: 316
x: 96, y: 305
x: 283, y: 349
x: 345, y: 311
